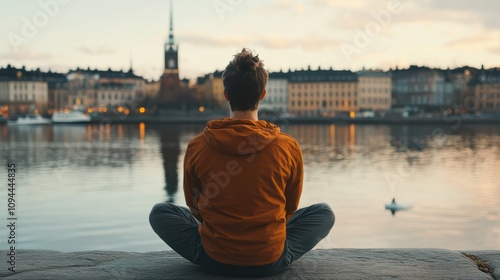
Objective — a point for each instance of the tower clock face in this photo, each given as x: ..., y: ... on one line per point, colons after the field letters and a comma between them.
x: 171, y: 63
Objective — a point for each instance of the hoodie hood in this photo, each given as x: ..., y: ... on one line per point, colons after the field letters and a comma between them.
x: 239, y: 137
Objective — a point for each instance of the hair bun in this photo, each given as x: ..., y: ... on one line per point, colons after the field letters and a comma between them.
x: 247, y: 62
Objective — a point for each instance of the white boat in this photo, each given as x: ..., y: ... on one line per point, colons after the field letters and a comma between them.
x: 70, y: 117
x: 28, y: 120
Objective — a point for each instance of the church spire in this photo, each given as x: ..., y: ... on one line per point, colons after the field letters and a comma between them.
x: 171, y: 32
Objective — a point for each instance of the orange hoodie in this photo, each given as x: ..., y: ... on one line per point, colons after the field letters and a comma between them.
x: 243, y: 181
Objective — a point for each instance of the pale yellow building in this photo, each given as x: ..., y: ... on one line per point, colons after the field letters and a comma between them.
x: 24, y: 96
x: 374, y: 91
x: 324, y: 93
x: 211, y: 87
x: 23, y: 91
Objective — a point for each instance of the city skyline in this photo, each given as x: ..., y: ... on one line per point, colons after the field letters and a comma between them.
x: 298, y: 34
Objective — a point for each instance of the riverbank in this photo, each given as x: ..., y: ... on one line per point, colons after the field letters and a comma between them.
x: 449, y: 121
x: 318, y: 264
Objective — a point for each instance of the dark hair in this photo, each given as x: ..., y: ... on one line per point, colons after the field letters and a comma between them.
x: 244, y: 81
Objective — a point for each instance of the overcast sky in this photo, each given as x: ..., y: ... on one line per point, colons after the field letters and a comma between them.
x: 65, y: 34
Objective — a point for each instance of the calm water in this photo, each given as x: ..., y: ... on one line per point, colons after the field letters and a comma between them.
x: 92, y: 187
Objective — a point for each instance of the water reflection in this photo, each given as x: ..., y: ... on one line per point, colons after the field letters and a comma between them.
x: 120, y: 170
x: 170, y: 151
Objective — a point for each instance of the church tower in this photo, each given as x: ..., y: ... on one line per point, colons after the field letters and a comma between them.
x: 170, y: 88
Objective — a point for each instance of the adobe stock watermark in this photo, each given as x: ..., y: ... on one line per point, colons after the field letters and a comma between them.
x: 31, y: 26
x: 249, y: 148
x: 222, y: 7
x: 363, y: 37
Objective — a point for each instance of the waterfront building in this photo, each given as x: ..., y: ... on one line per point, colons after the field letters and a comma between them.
x: 152, y: 89
x: 96, y: 88
x: 374, y: 90
x: 58, y: 90
x: 322, y: 92
x: 460, y: 79
x: 23, y: 91
x: 212, y: 88
x: 421, y: 87
x: 110, y: 94
x: 276, y: 99
x: 484, y: 91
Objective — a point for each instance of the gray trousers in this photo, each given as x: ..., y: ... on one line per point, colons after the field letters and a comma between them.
x: 177, y: 227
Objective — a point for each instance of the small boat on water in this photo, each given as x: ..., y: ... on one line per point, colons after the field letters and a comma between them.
x: 70, y: 117
x: 31, y: 119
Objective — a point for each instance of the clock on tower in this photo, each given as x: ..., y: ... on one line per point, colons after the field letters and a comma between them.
x: 171, y: 63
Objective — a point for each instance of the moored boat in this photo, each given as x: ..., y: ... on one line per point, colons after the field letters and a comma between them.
x: 28, y: 120
x: 70, y: 117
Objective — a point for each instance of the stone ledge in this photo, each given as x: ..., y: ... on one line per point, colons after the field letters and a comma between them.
x: 317, y: 264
